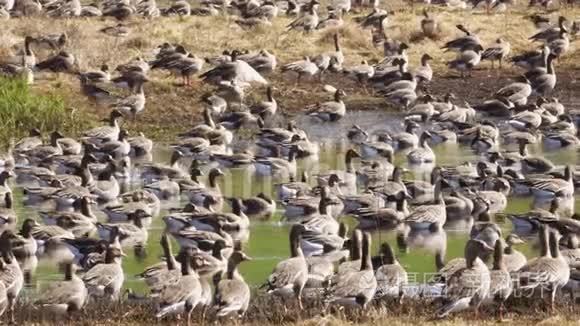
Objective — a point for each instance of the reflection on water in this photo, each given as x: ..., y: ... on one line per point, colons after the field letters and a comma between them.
x: 268, y: 241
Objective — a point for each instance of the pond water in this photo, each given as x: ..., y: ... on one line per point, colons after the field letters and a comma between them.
x: 268, y: 241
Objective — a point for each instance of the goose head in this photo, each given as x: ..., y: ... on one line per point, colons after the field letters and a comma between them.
x: 27, y: 226
x: 513, y: 239
x: 34, y: 132
x: 498, y: 251
x: 425, y: 59
x: 54, y: 137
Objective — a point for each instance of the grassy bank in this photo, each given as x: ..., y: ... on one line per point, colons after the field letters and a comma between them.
x: 22, y: 109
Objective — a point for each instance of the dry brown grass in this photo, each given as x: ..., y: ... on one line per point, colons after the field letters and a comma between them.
x: 267, y: 311
x: 170, y: 105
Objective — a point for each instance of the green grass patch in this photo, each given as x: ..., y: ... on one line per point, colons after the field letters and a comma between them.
x: 22, y: 109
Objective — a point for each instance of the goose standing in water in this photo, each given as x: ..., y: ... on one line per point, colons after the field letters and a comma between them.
x: 232, y: 294
x: 290, y: 275
x: 423, y: 154
x: 429, y: 216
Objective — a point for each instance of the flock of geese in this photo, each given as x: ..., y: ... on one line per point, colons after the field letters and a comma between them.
x: 94, y: 215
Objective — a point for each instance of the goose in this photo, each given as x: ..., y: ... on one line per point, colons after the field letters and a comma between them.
x: 513, y: 259
x: 44, y: 152
x: 232, y: 294
x: 352, y: 265
x: 308, y: 21
x: 91, y: 10
x: 164, y: 188
x: 106, y: 280
x: 292, y: 188
x: 236, y: 220
x: 550, y: 267
x: 278, y: 167
x: 130, y: 234
x: 394, y: 187
x: 100, y: 76
x: 466, y: 60
x: 422, y: 154
x: 549, y: 188
x: 189, y: 237
x: 236, y: 70
x: 467, y: 286
x: 26, y: 144
x: 376, y: 18
x: 183, y: 295
x: 132, y: 104
x: 388, y: 218
x: 290, y: 275
x: 11, y: 275
x: 24, y: 245
x: 356, y: 288
x: 331, y: 60
x: 570, y: 251
x: 186, y: 67
x: 517, y: 92
x: 84, y: 212
x: 321, y: 235
x: 62, y: 62
x: 378, y: 149
x: 431, y: 216
x: 407, y: 138
x: 266, y: 109
x: 560, y: 45
x: 531, y: 59
x: 160, y: 275
x: 302, y: 68
x: 197, y: 194
x: 424, y: 73
x: 106, y: 133
x: 551, y: 32
x: 464, y: 43
x: 64, y: 297
x: 429, y: 25
x: 543, y: 80
x: 154, y: 171
x: 501, y: 284
x: 530, y: 118
x: 331, y: 111
x: 348, y: 184
x: 263, y: 62
x: 180, y: 8
x: 391, y: 276
x: 498, y: 52
x: 8, y: 217
x: 361, y: 73
x: 261, y: 206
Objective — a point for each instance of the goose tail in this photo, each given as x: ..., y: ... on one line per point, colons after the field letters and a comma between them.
x: 173, y: 309
x: 453, y: 306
